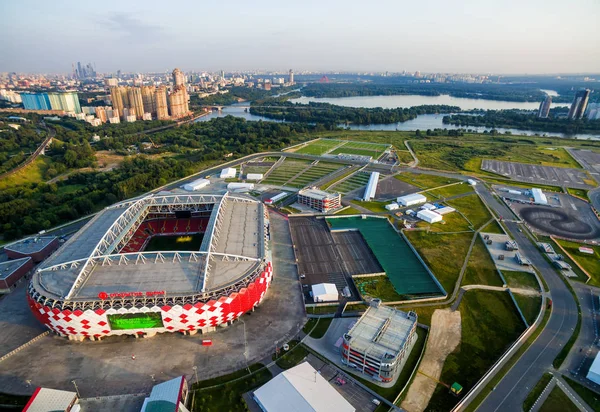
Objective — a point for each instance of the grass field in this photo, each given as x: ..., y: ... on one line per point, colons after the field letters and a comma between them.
x: 589, y: 396
x: 284, y: 172
x: 250, y: 168
x: 320, y: 330
x: 481, y: 269
x: 315, y: 172
x: 453, y: 222
x: 448, y: 191
x: 167, y: 243
x: 293, y: 356
x: 490, y: 323
x: 591, y: 263
x: 228, y: 396
x: 473, y: 208
x: 32, y: 173
x: 529, y: 305
x: 361, y: 148
x: 444, y: 254
x: 404, y: 156
x: 522, y: 280
x: 318, y: 147
x: 536, y: 391
x: 347, y: 172
x: 373, y: 206
x: 578, y: 192
x: 424, y: 181
x: 378, y: 287
x: 358, y: 179
x: 558, y: 401
x: 493, y: 227
x: 349, y: 211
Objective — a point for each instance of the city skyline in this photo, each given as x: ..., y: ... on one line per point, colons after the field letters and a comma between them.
x: 479, y: 37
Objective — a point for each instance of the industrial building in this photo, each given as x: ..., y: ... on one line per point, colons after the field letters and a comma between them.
x: 380, y: 341
x: 319, y: 199
x: 324, y: 292
x: 428, y: 206
x: 196, y: 185
x: 13, y: 271
x: 276, y: 198
x: 51, y: 400
x: 539, y: 198
x: 228, y: 173
x: 392, y: 206
x: 300, y: 389
x: 429, y: 216
x: 411, y: 200
x: 37, y: 248
x: 371, y: 186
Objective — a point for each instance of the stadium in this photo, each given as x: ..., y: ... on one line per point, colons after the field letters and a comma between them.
x: 161, y: 263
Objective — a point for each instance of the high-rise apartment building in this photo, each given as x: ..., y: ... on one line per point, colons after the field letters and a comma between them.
x: 178, y: 105
x: 117, y: 99
x: 36, y: 101
x: 545, y: 107
x: 291, y: 80
x: 579, y: 104
x: 67, y: 102
x: 178, y: 78
x: 148, y: 100
x: 160, y: 102
x: 135, y: 101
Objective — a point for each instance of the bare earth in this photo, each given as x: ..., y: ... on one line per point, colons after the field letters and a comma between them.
x: 444, y: 337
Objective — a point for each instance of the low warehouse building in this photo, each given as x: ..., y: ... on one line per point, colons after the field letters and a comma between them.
x: 228, y: 173
x: 539, y: 198
x: 411, y: 200
x: 392, y: 206
x: 429, y: 216
x: 12, y: 271
x: 240, y: 186
x: 445, y: 210
x: 380, y: 342
x: 319, y: 199
x: 37, y: 248
x: 254, y: 176
x: 325, y: 292
x: 371, y: 186
x: 300, y: 389
x: 196, y: 185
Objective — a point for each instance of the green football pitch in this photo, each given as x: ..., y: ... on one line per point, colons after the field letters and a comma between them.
x: 179, y: 242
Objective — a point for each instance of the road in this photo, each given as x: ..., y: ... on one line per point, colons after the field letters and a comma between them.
x: 512, y: 390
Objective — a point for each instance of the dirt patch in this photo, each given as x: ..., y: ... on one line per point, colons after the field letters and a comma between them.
x: 444, y: 337
x: 525, y: 291
x: 108, y: 160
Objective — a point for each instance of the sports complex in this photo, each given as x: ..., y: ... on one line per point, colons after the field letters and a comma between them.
x: 162, y: 263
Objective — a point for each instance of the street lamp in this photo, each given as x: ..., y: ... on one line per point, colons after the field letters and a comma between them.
x: 76, y: 388
x: 195, y: 368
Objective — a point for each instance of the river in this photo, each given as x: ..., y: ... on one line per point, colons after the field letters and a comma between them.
x: 422, y: 122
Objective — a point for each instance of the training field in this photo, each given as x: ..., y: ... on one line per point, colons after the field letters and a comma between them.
x: 316, y: 172
x: 354, y: 182
x: 404, y: 269
x: 319, y: 147
x: 362, y: 149
x: 299, y: 173
x: 284, y: 172
x: 179, y: 242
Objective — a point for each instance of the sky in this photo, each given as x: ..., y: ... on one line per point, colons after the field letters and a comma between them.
x: 460, y: 36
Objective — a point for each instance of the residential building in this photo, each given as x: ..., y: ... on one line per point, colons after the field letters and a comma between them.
x: 178, y: 78
x: 579, y: 104
x: 545, y: 107
x: 36, y: 101
x: 178, y: 104
x: 319, y: 199
x: 291, y: 80
x: 160, y: 103
x: 67, y: 102
x: 117, y: 99
x: 148, y: 99
x: 135, y: 101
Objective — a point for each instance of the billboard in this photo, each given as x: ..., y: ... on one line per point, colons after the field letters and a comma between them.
x: 128, y: 321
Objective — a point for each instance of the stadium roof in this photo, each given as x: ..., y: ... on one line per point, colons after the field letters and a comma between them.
x: 382, y: 330
x: 10, y: 266
x: 165, y: 397
x: 89, y: 263
x: 31, y: 244
x: 300, y: 389
x: 50, y: 400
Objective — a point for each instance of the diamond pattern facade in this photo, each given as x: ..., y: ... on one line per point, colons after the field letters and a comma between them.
x: 95, y: 323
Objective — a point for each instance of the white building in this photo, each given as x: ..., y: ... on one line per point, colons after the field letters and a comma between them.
x: 471, y: 182
x: 411, y: 200
x: 594, y: 372
x: 371, y: 186
x: 228, y: 173
x: 429, y: 216
x: 131, y: 118
x: 428, y: 206
x: 254, y: 176
x: 539, y: 198
x: 196, y: 185
x: 240, y: 186
x: 392, y: 206
x: 445, y: 210
x: 325, y: 292
x: 300, y: 389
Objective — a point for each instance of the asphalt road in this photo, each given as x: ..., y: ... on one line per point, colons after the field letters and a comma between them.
x: 512, y: 390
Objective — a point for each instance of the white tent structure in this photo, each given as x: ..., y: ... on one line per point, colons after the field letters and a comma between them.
x: 371, y: 187
x: 411, y: 200
x: 228, y: 173
x: 324, y: 292
x: 300, y: 389
x: 196, y: 185
x: 429, y: 216
x: 539, y: 198
x: 594, y: 372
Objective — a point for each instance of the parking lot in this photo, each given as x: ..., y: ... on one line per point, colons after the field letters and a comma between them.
x: 390, y: 188
x: 497, y: 248
x: 589, y: 160
x: 555, y: 176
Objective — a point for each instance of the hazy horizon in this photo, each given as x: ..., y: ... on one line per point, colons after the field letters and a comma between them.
x: 511, y: 38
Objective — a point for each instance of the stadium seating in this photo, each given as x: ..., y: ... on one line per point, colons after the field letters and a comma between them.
x: 168, y: 226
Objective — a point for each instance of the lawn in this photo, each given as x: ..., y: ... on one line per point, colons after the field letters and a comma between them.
x: 378, y: 287
x: 287, y: 170
x: 444, y: 254
x: 355, y: 181
x: 294, y: 355
x: 404, y: 156
x: 318, y: 147
x: 32, y: 173
x: 320, y: 330
x: 349, y: 211
x: 347, y: 172
x: 578, y: 192
x: 473, y: 208
x: 536, y: 391
x: 448, y: 191
x: 453, y: 222
x: 481, y: 269
x: 424, y: 181
x: 314, y: 173
x: 558, y: 401
x: 361, y: 148
x: 373, y: 206
x: 529, y: 305
x: 591, y: 263
x: 589, y: 396
x: 228, y: 396
x: 490, y: 324
x: 523, y: 280
x: 493, y: 227
x: 320, y: 310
